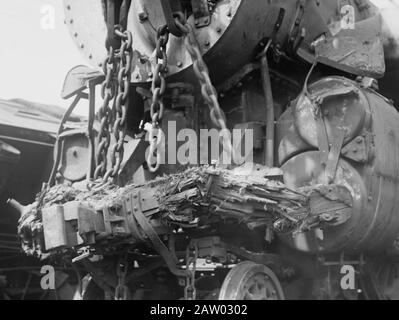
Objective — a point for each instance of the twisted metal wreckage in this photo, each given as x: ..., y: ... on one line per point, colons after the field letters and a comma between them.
x: 322, y: 191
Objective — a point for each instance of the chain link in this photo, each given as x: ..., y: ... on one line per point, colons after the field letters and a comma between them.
x: 208, y: 91
x: 108, y: 90
x: 158, y: 88
x: 122, y: 292
x: 117, y: 69
x: 190, y: 292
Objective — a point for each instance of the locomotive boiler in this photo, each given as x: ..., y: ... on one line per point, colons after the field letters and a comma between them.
x: 320, y: 191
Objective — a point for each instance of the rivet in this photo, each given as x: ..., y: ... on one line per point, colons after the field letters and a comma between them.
x: 90, y: 56
x: 82, y: 45
x: 75, y: 34
x: 68, y: 7
x: 179, y: 64
x: 218, y: 29
x: 143, y: 16
x: 207, y: 43
x: 71, y: 21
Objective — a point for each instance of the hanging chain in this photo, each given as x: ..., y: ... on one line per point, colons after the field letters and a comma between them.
x: 190, y: 292
x: 208, y: 91
x: 158, y: 88
x: 124, y: 72
x: 122, y: 291
x: 108, y: 90
x: 117, y: 69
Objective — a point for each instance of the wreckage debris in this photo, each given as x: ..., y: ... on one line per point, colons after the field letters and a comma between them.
x: 197, y: 196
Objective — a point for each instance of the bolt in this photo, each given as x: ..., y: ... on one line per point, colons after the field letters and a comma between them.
x: 218, y: 29
x: 82, y: 45
x: 75, y: 34
x: 150, y: 74
x: 71, y: 21
x: 143, y: 16
x: 179, y: 64
x: 207, y: 43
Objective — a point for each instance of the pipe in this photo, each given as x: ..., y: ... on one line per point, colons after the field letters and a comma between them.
x: 16, y: 205
x: 267, y: 90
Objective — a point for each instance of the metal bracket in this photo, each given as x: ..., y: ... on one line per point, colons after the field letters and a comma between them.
x: 295, y: 34
x: 333, y: 156
x: 170, y: 259
x: 357, y: 150
x: 169, y: 8
x: 202, y: 16
x: 322, y: 138
x: 116, y: 13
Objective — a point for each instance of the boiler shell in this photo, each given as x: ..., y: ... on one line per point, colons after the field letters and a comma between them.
x: 374, y: 223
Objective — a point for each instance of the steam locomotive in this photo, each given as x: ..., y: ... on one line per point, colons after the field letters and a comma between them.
x: 307, y: 77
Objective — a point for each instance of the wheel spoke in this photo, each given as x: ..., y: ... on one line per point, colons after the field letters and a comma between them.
x: 251, y: 281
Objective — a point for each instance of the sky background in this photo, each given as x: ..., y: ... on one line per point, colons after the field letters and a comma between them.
x: 35, y: 60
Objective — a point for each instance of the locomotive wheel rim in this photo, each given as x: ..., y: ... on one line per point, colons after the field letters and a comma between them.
x: 251, y: 281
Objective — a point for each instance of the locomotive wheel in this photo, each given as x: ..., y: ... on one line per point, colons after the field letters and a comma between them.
x: 251, y: 281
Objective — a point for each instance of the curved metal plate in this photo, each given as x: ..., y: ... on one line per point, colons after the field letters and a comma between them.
x: 85, y: 21
x: 306, y: 169
x: 342, y: 104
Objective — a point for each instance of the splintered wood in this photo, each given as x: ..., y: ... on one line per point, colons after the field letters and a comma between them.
x: 254, y: 196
